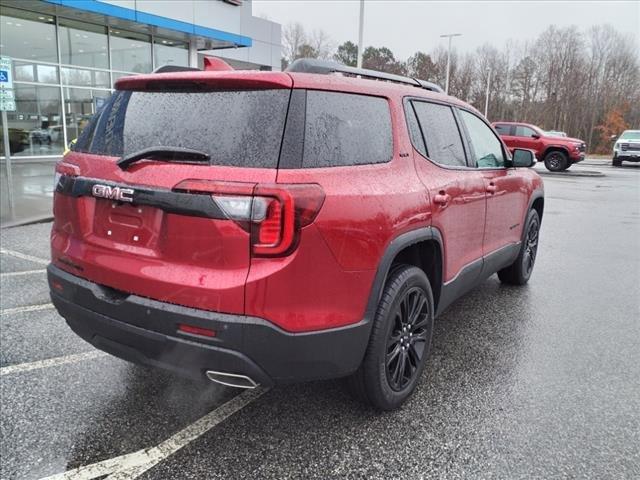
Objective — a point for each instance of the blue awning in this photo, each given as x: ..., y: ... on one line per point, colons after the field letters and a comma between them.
x: 165, y: 23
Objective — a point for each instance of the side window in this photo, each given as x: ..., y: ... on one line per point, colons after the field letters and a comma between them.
x: 441, y: 134
x: 503, y: 129
x: 346, y: 129
x: 522, y: 131
x: 414, y: 129
x: 486, y: 147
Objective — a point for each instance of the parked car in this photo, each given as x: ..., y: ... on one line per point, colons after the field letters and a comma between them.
x: 557, y: 153
x: 41, y: 136
x: 626, y: 148
x: 292, y: 225
x: 18, y: 140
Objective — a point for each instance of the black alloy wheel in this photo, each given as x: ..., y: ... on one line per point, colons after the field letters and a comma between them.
x: 407, y: 339
x: 400, y: 340
x: 556, y: 161
x: 530, y: 247
x: 519, y: 272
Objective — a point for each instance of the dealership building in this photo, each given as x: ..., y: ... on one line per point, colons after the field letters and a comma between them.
x: 65, y: 56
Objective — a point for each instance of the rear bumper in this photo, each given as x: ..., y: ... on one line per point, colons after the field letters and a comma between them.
x: 145, y: 331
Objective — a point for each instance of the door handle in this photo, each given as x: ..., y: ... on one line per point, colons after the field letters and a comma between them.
x: 491, y: 188
x: 442, y: 198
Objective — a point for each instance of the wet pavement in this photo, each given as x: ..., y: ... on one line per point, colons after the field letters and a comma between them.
x: 534, y: 382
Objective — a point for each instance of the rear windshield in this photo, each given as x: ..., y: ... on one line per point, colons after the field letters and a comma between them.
x: 236, y: 128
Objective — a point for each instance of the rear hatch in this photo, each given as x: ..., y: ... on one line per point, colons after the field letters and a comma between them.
x: 172, y: 223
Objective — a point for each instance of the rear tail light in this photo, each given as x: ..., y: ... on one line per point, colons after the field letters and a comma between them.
x: 64, y: 169
x: 273, y: 214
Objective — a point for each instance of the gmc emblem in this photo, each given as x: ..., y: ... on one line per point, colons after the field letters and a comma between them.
x: 112, y: 193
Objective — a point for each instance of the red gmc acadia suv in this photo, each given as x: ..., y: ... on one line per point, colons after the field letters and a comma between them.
x: 557, y: 153
x: 256, y: 228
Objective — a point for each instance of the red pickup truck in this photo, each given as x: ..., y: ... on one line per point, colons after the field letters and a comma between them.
x: 558, y: 153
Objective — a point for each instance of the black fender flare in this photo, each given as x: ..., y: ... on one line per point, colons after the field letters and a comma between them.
x: 394, y: 247
x: 557, y: 147
x: 534, y: 196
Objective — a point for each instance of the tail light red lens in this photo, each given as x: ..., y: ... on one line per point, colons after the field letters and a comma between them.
x: 269, y: 231
x: 273, y: 213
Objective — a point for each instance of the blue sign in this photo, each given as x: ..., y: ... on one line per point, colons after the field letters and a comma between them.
x: 4, y: 76
x: 99, y: 102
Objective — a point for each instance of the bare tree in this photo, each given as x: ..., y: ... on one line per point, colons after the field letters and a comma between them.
x: 586, y: 83
x: 293, y: 37
x: 322, y: 44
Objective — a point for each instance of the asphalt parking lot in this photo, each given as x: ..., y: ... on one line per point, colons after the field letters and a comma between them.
x: 534, y: 382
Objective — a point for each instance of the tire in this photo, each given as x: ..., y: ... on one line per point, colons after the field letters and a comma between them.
x: 519, y: 272
x: 616, y: 162
x: 400, y: 341
x: 556, y: 161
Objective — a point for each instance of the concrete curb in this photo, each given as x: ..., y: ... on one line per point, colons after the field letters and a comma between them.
x: 572, y: 173
x: 27, y: 221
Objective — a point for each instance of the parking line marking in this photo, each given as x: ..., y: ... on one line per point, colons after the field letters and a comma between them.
x: 28, y: 308
x: 18, y: 274
x: 50, y: 362
x: 24, y: 256
x: 132, y: 465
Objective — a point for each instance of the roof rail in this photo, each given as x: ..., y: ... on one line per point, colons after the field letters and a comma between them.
x: 325, y: 67
x: 434, y: 87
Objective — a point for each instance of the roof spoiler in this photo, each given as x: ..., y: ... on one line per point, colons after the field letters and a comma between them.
x: 326, y: 67
x: 211, y: 64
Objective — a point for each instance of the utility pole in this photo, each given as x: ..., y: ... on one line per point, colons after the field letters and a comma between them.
x: 449, y: 36
x: 360, y: 32
x: 486, y: 100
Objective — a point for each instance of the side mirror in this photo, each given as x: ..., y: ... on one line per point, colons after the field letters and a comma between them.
x: 535, y: 136
x: 523, y: 158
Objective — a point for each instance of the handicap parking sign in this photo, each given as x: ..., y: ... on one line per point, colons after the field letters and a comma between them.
x: 6, y: 80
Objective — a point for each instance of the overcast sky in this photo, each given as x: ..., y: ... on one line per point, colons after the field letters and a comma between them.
x: 406, y: 26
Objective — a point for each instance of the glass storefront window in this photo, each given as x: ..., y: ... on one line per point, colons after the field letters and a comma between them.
x: 31, y: 72
x: 85, y: 78
x: 27, y: 35
x: 35, y: 128
x: 130, y: 52
x: 63, y: 72
x: 83, y: 44
x: 79, y: 105
x: 170, y: 52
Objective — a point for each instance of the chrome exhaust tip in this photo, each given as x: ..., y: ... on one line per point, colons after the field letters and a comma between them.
x: 231, y: 379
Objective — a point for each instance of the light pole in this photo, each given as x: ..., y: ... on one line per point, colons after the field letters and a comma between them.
x: 360, y: 31
x: 486, y: 100
x: 449, y: 36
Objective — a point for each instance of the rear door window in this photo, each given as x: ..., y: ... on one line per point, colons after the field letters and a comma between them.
x: 414, y: 130
x: 346, y: 129
x: 236, y: 128
x: 441, y: 134
x: 522, y: 131
x: 503, y: 129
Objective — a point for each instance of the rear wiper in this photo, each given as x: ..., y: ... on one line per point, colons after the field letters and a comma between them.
x: 172, y: 153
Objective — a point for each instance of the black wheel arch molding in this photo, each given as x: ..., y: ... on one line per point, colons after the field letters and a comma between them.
x: 395, y: 246
x: 536, y: 195
x: 553, y: 147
